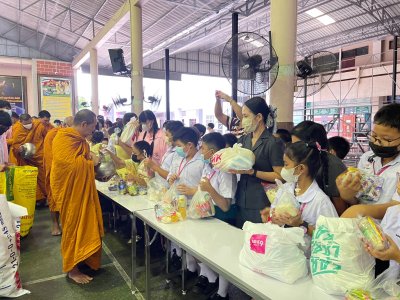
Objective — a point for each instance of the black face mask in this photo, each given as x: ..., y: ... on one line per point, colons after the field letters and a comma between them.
x: 384, y: 152
x: 134, y: 158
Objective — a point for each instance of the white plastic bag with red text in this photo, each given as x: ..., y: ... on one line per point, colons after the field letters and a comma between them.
x: 235, y: 158
x: 274, y: 251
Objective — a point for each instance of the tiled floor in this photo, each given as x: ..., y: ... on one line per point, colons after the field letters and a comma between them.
x: 41, y: 269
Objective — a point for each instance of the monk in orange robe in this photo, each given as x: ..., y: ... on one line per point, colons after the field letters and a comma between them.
x: 47, y: 160
x: 32, y: 131
x: 72, y: 182
x: 44, y: 117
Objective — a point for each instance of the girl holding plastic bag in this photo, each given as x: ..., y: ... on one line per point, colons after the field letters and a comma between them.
x: 221, y: 187
x: 302, y: 164
x: 134, y: 169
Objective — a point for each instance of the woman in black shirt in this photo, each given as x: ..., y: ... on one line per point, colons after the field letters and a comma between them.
x: 268, y: 150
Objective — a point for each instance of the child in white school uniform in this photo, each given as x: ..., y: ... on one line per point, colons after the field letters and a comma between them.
x: 301, y: 171
x: 161, y: 171
x: 222, y: 188
x: 383, y: 160
x: 186, y: 171
x: 302, y: 164
x: 391, y: 227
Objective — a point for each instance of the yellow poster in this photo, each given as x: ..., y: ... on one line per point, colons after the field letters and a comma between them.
x: 56, y: 96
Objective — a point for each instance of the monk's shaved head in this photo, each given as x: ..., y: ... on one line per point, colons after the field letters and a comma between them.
x: 68, y: 121
x: 85, y: 122
x: 85, y: 115
x: 25, y: 117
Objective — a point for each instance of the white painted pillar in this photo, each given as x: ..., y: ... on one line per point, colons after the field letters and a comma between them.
x: 75, y: 95
x: 136, y: 59
x: 283, y: 30
x: 94, y: 76
x: 34, y: 110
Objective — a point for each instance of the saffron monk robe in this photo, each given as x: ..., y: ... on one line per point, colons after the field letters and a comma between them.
x: 27, y: 130
x: 72, y: 182
x: 47, y: 160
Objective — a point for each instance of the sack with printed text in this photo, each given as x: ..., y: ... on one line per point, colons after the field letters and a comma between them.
x: 201, y: 206
x: 338, y: 260
x: 274, y: 251
x: 10, y: 283
x: 235, y: 158
x: 19, y: 186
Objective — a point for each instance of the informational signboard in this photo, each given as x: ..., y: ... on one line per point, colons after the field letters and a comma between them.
x: 56, y: 96
x: 13, y: 90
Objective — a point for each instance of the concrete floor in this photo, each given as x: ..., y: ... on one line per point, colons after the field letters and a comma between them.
x: 41, y: 268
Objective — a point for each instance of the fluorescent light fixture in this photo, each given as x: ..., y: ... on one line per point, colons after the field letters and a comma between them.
x: 315, y: 12
x: 255, y: 43
x: 326, y: 20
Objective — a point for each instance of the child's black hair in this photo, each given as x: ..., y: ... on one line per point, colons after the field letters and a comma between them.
x: 214, y: 140
x: 340, y: 145
x: 186, y: 135
x: 388, y: 115
x: 230, y: 139
x: 284, y: 135
x: 97, y: 137
x: 309, y: 131
x: 148, y: 115
x: 144, y: 147
x: 127, y: 117
x: 201, y: 128
x: 173, y: 126
x: 308, y: 154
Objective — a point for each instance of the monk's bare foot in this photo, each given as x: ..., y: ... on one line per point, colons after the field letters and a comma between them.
x: 79, y: 277
x: 56, y: 230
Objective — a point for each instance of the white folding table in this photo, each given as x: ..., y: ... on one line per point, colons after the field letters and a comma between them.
x: 218, y: 245
x: 132, y: 204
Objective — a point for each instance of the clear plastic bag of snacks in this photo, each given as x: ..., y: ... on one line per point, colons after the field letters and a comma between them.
x: 285, y: 201
x: 371, y: 185
x: 201, y: 206
x: 167, y: 213
x: 372, y: 233
x: 358, y: 294
x: 155, y: 189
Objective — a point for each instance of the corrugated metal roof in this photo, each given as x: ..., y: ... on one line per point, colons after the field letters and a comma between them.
x: 164, y: 23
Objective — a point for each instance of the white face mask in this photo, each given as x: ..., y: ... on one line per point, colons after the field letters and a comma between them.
x: 28, y: 126
x: 145, y: 127
x: 288, y: 175
x: 248, y: 125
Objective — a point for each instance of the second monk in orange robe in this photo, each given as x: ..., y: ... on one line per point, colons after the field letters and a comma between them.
x: 72, y: 182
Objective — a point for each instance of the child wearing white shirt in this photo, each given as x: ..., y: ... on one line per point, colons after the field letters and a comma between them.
x: 222, y: 188
x: 302, y: 164
x: 161, y: 171
x: 186, y: 170
x: 383, y: 160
